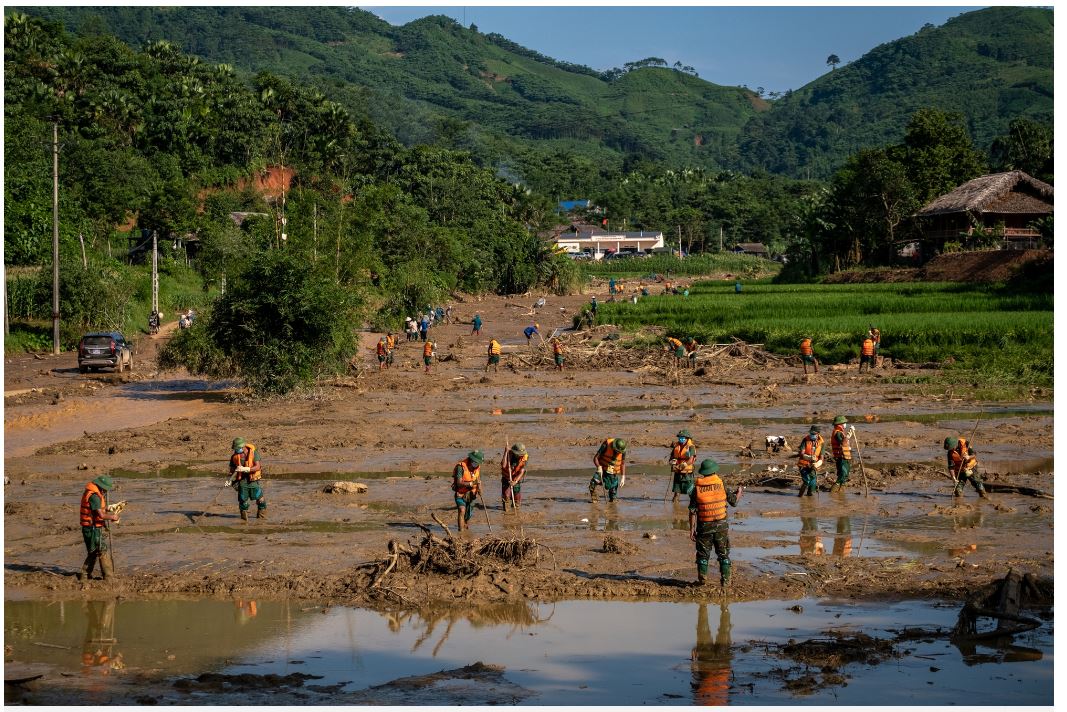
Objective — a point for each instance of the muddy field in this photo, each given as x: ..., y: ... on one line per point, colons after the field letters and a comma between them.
x: 165, y: 437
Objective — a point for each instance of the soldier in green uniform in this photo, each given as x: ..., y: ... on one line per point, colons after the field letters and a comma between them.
x: 707, y: 520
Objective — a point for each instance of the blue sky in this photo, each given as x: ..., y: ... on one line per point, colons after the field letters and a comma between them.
x: 777, y: 48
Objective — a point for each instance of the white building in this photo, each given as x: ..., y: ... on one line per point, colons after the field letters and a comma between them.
x: 600, y: 242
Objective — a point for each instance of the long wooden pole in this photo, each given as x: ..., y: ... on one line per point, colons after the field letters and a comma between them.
x: 859, y: 455
x: 485, y: 509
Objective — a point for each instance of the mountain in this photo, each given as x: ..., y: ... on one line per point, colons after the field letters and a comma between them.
x: 433, y: 79
x: 991, y: 65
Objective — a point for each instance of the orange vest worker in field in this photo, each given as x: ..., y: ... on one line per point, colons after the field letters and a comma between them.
x: 867, y: 354
x: 610, y: 464
x: 963, y: 466
x: 839, y: 444
x: 94, y: 518
x: 707, y: 520
x: 807, y: 355
x: 809, y: 461
x: 246, y: 472
x: 494, y: 356
x: 467, y: 483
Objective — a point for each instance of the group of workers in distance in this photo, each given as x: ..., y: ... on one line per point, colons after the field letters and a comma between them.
x: 708, y: 495
x: 872, y: 343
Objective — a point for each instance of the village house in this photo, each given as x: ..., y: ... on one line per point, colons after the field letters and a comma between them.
x: 751, y: 248
x: 599, y: 242
x: 1005, y: 205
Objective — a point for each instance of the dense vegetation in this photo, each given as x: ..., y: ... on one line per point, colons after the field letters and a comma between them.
x: 694, y: 265
x: 434, y: 81
x: 159, y: 141
x: 1006, y: 335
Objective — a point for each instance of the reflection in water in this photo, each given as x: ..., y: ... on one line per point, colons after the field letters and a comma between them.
x: 843, y: 539
x: 99, y: 656
x: 519, y: 616
x: 710, y: 660
x: 607, y: 521
x: 810, y: 540
x: 244, y: 611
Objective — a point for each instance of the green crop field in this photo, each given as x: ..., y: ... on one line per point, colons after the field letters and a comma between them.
x: 745, y: 266
x: 975, y: 328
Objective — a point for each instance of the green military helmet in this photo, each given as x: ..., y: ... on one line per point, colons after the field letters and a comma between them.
x: 840, y: 420
x: 518, y: 449
x: 685, y: 434
x: 238, y: 444
x: 475, y: 456
x: 620, y: 444
x: 951, y: 442
x: 104, y: 482
x: 708, y: 467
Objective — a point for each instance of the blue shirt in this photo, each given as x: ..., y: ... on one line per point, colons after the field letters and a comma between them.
x: 529, y: 331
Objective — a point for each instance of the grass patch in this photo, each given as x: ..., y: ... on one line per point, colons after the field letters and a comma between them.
x: 974, y: 329
x: 745, y: 266
x: 28, y: 338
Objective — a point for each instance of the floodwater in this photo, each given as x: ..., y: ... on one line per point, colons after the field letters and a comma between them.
x: 568, y: 653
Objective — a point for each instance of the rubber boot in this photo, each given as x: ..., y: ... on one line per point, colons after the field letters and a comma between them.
x: 803, y: 490
x: 724, y: 574
x: 982, y: 493
x: 504, y: 504
x: 261, y: 513
x: 244, y: 516
x: 836, y: 487
x: 87, y: 568
x: 702, y: 578
x: 105, y: 567
x: 957, y: 491
x: 592, y: 495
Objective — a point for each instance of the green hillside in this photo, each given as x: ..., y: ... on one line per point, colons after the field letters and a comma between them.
x: 992, y: 66
x: 434, y: 80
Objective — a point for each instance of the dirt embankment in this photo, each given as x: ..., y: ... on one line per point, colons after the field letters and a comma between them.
x: 987, y: 266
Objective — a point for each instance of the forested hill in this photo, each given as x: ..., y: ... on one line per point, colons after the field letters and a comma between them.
x: 992, y: 66
x: 434, y: 80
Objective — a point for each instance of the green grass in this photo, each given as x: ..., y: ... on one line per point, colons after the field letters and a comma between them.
x: 981, y: 330
x: 745, y: 266
x: 28, y: 337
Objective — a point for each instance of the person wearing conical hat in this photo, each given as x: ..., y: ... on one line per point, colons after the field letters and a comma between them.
x: 839, y: 445
x: 94, y: 520
x: 683, y: 462
x: 512, y: 474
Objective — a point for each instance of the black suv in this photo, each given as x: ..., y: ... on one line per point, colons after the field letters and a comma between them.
x: 105, y: 349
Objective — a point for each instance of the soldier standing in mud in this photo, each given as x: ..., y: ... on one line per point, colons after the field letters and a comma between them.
x: 682, y: 461
x: 807, y: 355
x: 493, y: 353
x: 963, y: 466
x: 707, y: 520
x: 246, y: 471
x: 466, y: 483
x: 710, y: 666
x: 867, y: 353
x: 512, y: 474
x: 94, y: 520
x: 839, y: 445
x: 809, y: 461
x: 610, y: 464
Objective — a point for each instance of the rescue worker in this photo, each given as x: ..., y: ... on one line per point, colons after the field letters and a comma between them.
x: 691, y: 347
x: 876, y: 337
x: 529, y: 332
x: 382, y: 350
x: 867, y: 354
x: 707, y: 520
x: 390, y: 346
x: 428, y: 352
x: 94, y: 521
x: 809, y: 462
x: 963, y: 466
x: 476, y: 325
x: 840, y: 446
x: 557, y: 353
x: 246, y: 471
x: 710, y: 661
x: 807, y: 355
x: 424, y: 327
x: 678, y: 348
x: 610, y: 464
x: 466, y: 483
x: 593, y: 305
x: 611, y: 289
x: 512, y: 473
x: 683, y: 462
x: 494, y: 356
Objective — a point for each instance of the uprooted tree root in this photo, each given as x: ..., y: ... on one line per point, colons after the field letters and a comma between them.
x: 455, y: 558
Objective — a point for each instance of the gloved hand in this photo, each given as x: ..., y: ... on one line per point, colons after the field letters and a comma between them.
x: 610, y: 470
x: 244, y: 469
x: 673, y: 462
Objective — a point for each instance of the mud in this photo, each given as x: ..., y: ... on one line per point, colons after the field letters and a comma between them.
x: 165, y: 437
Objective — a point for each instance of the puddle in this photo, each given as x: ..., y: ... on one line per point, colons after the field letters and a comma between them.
x: 568, y: 653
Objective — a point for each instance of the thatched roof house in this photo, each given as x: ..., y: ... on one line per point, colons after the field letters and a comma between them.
x: 1010, y: 202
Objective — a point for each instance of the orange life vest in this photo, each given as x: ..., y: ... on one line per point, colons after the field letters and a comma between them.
x: 810, y: 450
x: 868, y: 347
x: 805, y: 348
x: 957, y: 456
x: 249, y: 460
x: 494, y: 348
x: 88, y: 519
x: 517, y: 468
x: 711, y: 499
x: 674, y: 343
x: 390, y: 342
x: 840, y: 446
x: 557, y: 347
x: 685, y: 461
x: 843, y: 546
x: 610, y: 457
x: 467, y: 479
x: 427, y: 349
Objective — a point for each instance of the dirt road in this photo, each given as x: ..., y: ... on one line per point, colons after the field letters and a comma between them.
x: 165, y: 438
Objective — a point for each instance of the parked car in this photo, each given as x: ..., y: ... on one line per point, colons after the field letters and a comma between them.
x: 104, y: 349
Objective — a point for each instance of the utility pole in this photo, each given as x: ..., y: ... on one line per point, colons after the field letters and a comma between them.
x: 55, y: 237
x: 85, y: 262
x: 155, y: 271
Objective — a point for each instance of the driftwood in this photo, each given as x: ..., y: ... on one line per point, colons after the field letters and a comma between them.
x: 1003, y: 604
x: 1016, y: 489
